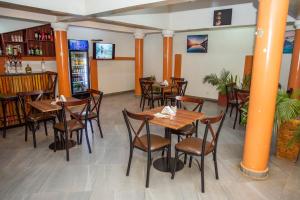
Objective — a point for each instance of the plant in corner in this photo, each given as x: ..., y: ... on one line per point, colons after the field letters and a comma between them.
x: 220, y: 82
x: 286, y: 125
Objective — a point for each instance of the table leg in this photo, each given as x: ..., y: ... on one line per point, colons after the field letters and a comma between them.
x: 4, y: 117
x: 161, y: 164
x: 17, y: 111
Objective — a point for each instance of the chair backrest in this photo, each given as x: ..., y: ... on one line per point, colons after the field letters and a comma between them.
x: 241, y: 96
x: 229, y: 89
x: 134, y: 133
x: 175, y: 79
x: 52, y: 81
x: 25, y: 97
x: 96, y: 99
x: 209, y: 121
x: 83, y: 111
x: 147, y: 88
x: 197, y: 102
x: 181, y: 87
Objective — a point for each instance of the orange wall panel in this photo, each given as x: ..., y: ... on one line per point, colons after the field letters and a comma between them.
x: 177, y: 65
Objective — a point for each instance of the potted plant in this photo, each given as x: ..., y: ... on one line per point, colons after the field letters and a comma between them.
x: 220, y: 82
x: 286, y: 130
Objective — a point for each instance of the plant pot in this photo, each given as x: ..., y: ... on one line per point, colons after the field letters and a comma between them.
x: 222, y: 100
x: 286, y: 133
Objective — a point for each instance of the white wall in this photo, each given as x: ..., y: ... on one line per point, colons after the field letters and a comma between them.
x: 227, y: 49
x: 153, y: 56
x: 113, y: 76
x: 7, y: 25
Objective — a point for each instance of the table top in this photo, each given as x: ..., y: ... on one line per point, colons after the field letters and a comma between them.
x: 182, y: 118
x: 46, y: 106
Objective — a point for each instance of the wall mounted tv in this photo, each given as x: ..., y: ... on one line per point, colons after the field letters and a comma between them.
x: 103, y: 51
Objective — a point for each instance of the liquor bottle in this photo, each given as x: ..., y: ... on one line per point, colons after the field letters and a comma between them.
x: 28, y: 69
x: 51, y: 35
x: 0, y: 51
x: 36, y: 35
x: 41, y: 51
x: 40, y: 36
x: 37, y: 51
x: 32, y: 51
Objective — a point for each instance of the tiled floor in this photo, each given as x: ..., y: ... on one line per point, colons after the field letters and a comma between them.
x: 41, y: 174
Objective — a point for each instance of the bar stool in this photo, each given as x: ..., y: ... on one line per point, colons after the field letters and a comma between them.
x: 5, y: 99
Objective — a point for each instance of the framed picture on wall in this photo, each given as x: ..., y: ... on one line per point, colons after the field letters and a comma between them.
x: 222, y: 17
x: 289, y: 39
x: 197, y: 43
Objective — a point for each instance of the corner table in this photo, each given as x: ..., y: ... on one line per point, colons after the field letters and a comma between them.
x: 182, y: 118
x: 45, y: 106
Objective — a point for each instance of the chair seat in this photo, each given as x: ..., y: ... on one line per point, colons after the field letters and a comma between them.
x: 72, y: 125
x: 194, y: 146
x: 187, y: 130
x: 157, y: 142
x: 35, y: 117
x: 91, y: 115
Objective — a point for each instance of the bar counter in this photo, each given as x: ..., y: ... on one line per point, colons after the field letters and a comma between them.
x: 11, y: 84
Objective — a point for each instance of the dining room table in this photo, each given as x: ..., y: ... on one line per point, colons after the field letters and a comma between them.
x: 48, y: 105
x: 181, y: 119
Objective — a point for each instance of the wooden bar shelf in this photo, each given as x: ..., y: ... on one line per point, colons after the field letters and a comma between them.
x: 11, y: 84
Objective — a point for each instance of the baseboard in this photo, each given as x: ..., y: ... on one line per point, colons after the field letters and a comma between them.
x: 118, y: 93
x: 205, y: 98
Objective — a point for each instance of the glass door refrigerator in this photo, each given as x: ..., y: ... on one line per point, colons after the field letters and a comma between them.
x: 79, y: 67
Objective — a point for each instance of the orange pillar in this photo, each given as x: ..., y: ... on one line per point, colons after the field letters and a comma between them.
x: 271, y: 24
x: 177, y: 66
x: 168, y: 53
x: 139, y: 54
x: 61, y: 51
x: 94, y: 74
x: 294, y: 78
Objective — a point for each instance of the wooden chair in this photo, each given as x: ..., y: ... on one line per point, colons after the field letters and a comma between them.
x: 201, y: 147
x: 76, y: 124
x: 32, y: 118
x: 142, y: 94
x: 147, y: 142
x: 230, y: 96
x: 241, y: 97
x: 52, y: 81
x: 147, y: 89
x: 94, y: 112
x: 177, y: 90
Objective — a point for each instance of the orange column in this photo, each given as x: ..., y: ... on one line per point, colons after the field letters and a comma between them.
x: 61, y: 51
x: 168, y: 52
x: 177, y: 66
x: 94, y: 74
x: 139, y: 54
x: 294, y: 78
x: 271, y: 24
x: 248, y: 65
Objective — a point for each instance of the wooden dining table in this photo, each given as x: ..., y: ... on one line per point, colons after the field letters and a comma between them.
x: 48, y: 105
x: 180, y: 120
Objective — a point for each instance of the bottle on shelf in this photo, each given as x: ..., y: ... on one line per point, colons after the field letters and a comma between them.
x: 36, y: 35
x: 28, y: 69
x: 0, y: 51
x: 40, y: 51
x: 37, y: 51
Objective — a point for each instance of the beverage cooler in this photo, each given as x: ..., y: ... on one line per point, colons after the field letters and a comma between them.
x: 79, y: 67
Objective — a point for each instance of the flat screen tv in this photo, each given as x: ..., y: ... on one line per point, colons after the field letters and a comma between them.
x: 102, y: 51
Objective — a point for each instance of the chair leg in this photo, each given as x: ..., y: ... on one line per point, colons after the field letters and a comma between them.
x: 148, y: 169
x: 129, y: 160
x: 175, y: 164
x: 202, y: 173
x: 81, y: 131
x: 26, y: 131
x: 55, y: 140
x: 169, y: 156
x: 236, y: 115
x: 226, y: 108
x: 33, y: 135
x: 141, y: 100
x: 99, y: 126
x: 45, y: 126
x: 144, y: 100
x: 77, y: 137
x: 91, y: 125
x: 216, y: 165
x: 87, y: 140
x: 191, y: 160
x: 231, y: 110
x: 67, y: 146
